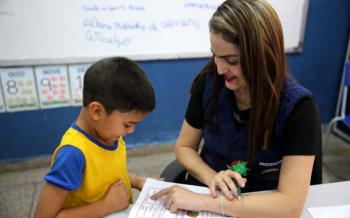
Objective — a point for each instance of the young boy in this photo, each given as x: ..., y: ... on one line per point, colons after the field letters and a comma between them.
x: 89, y: 177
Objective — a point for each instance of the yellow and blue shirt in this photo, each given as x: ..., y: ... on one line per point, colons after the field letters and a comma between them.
x: 86, y: 167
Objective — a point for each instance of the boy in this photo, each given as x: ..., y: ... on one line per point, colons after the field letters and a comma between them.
x: 89, y: 177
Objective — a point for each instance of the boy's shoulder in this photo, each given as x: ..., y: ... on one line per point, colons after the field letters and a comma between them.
x: 72, y: 135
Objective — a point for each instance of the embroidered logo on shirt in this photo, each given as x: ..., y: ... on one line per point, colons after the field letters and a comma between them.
x: 271, y: 164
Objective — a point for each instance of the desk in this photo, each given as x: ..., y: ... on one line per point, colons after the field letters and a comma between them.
x: 329, y: 194
x: 120, y: 214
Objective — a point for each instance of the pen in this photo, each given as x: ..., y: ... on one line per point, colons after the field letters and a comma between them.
x: 238, y: 189
x: 240, y: 167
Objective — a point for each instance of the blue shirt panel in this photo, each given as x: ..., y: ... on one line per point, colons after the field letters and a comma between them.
x: 68, y: 169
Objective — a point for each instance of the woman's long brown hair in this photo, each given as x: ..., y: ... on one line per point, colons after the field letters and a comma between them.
x: 255, y: 28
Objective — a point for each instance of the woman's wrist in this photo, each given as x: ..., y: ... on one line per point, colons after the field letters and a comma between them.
x: 201, y: 202
x: 212, y: 204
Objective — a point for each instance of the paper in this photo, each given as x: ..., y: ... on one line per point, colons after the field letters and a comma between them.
x: 144, y: 207
x: 341, y: 211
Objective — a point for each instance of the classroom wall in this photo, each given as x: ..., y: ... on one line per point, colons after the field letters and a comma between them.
x: 29, y: 134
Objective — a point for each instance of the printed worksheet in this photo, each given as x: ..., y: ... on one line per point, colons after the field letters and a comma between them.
x: 145, y: 207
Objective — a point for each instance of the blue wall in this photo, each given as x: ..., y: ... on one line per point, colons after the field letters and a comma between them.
x: 30, y: 134
x: 319, y: 67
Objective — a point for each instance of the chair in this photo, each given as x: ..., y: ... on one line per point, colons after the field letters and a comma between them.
x: 174, y: 172
x: 345, y: 118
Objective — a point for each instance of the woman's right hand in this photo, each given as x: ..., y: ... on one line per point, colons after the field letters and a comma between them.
x: 177, y: 197
x: 223, y: 181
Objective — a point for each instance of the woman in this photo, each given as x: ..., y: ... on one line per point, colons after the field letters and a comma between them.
x: 247, y: 108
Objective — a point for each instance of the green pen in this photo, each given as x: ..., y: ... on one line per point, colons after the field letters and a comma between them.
x: 240, y: 167
x: 238, y: 189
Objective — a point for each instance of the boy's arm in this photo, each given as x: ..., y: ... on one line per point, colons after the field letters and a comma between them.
x: 52, y: 198
x: 137, y: 181
x: 50, y: 201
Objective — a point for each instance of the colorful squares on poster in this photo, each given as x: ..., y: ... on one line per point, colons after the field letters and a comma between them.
x: 76, y: 78
x: 52, y: 84
x: 18, y: 86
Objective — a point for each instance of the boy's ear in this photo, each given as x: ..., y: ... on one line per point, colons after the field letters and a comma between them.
x: 96, y: 110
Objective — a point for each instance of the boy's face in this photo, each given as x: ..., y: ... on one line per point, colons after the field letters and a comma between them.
x: 110, y: 127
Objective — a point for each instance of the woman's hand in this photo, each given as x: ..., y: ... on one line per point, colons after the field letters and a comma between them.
x: 224, y: 181
x: 176, y: 198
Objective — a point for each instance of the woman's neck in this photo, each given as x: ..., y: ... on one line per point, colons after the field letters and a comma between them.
x: 242, y: 99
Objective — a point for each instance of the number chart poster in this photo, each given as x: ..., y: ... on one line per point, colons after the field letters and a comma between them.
x: 52, y: 84
x: 2, y: 105
x: 18, y: 86
x: 76, y: 78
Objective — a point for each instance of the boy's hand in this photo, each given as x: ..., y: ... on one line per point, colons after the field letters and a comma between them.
x: 117, y: 197
x: 139, y: 182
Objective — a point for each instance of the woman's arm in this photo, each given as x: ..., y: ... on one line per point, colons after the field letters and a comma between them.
x: 287, y: 201
x: 52, y: 197
x: 187, y: 154
x: 186, y: 149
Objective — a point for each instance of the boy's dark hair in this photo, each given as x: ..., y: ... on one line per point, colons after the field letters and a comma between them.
x: 119, y: 84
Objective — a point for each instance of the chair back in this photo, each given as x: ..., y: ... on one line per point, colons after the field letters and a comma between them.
x: 347, y: 74
x: 345, y: 89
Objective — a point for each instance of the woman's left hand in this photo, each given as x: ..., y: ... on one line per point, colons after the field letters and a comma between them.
x: 176, y: 198
x: 224, y: 181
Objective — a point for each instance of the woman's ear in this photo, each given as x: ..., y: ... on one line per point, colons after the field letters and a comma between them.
x: 96, y: 110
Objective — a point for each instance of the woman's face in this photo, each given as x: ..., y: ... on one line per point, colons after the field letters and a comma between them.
x: 227, y: 60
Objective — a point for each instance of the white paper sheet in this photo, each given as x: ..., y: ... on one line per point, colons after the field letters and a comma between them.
x: 341, y: 211
x: 145, y: 207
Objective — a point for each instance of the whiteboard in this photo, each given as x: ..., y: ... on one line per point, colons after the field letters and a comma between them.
x: 81, y: 31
